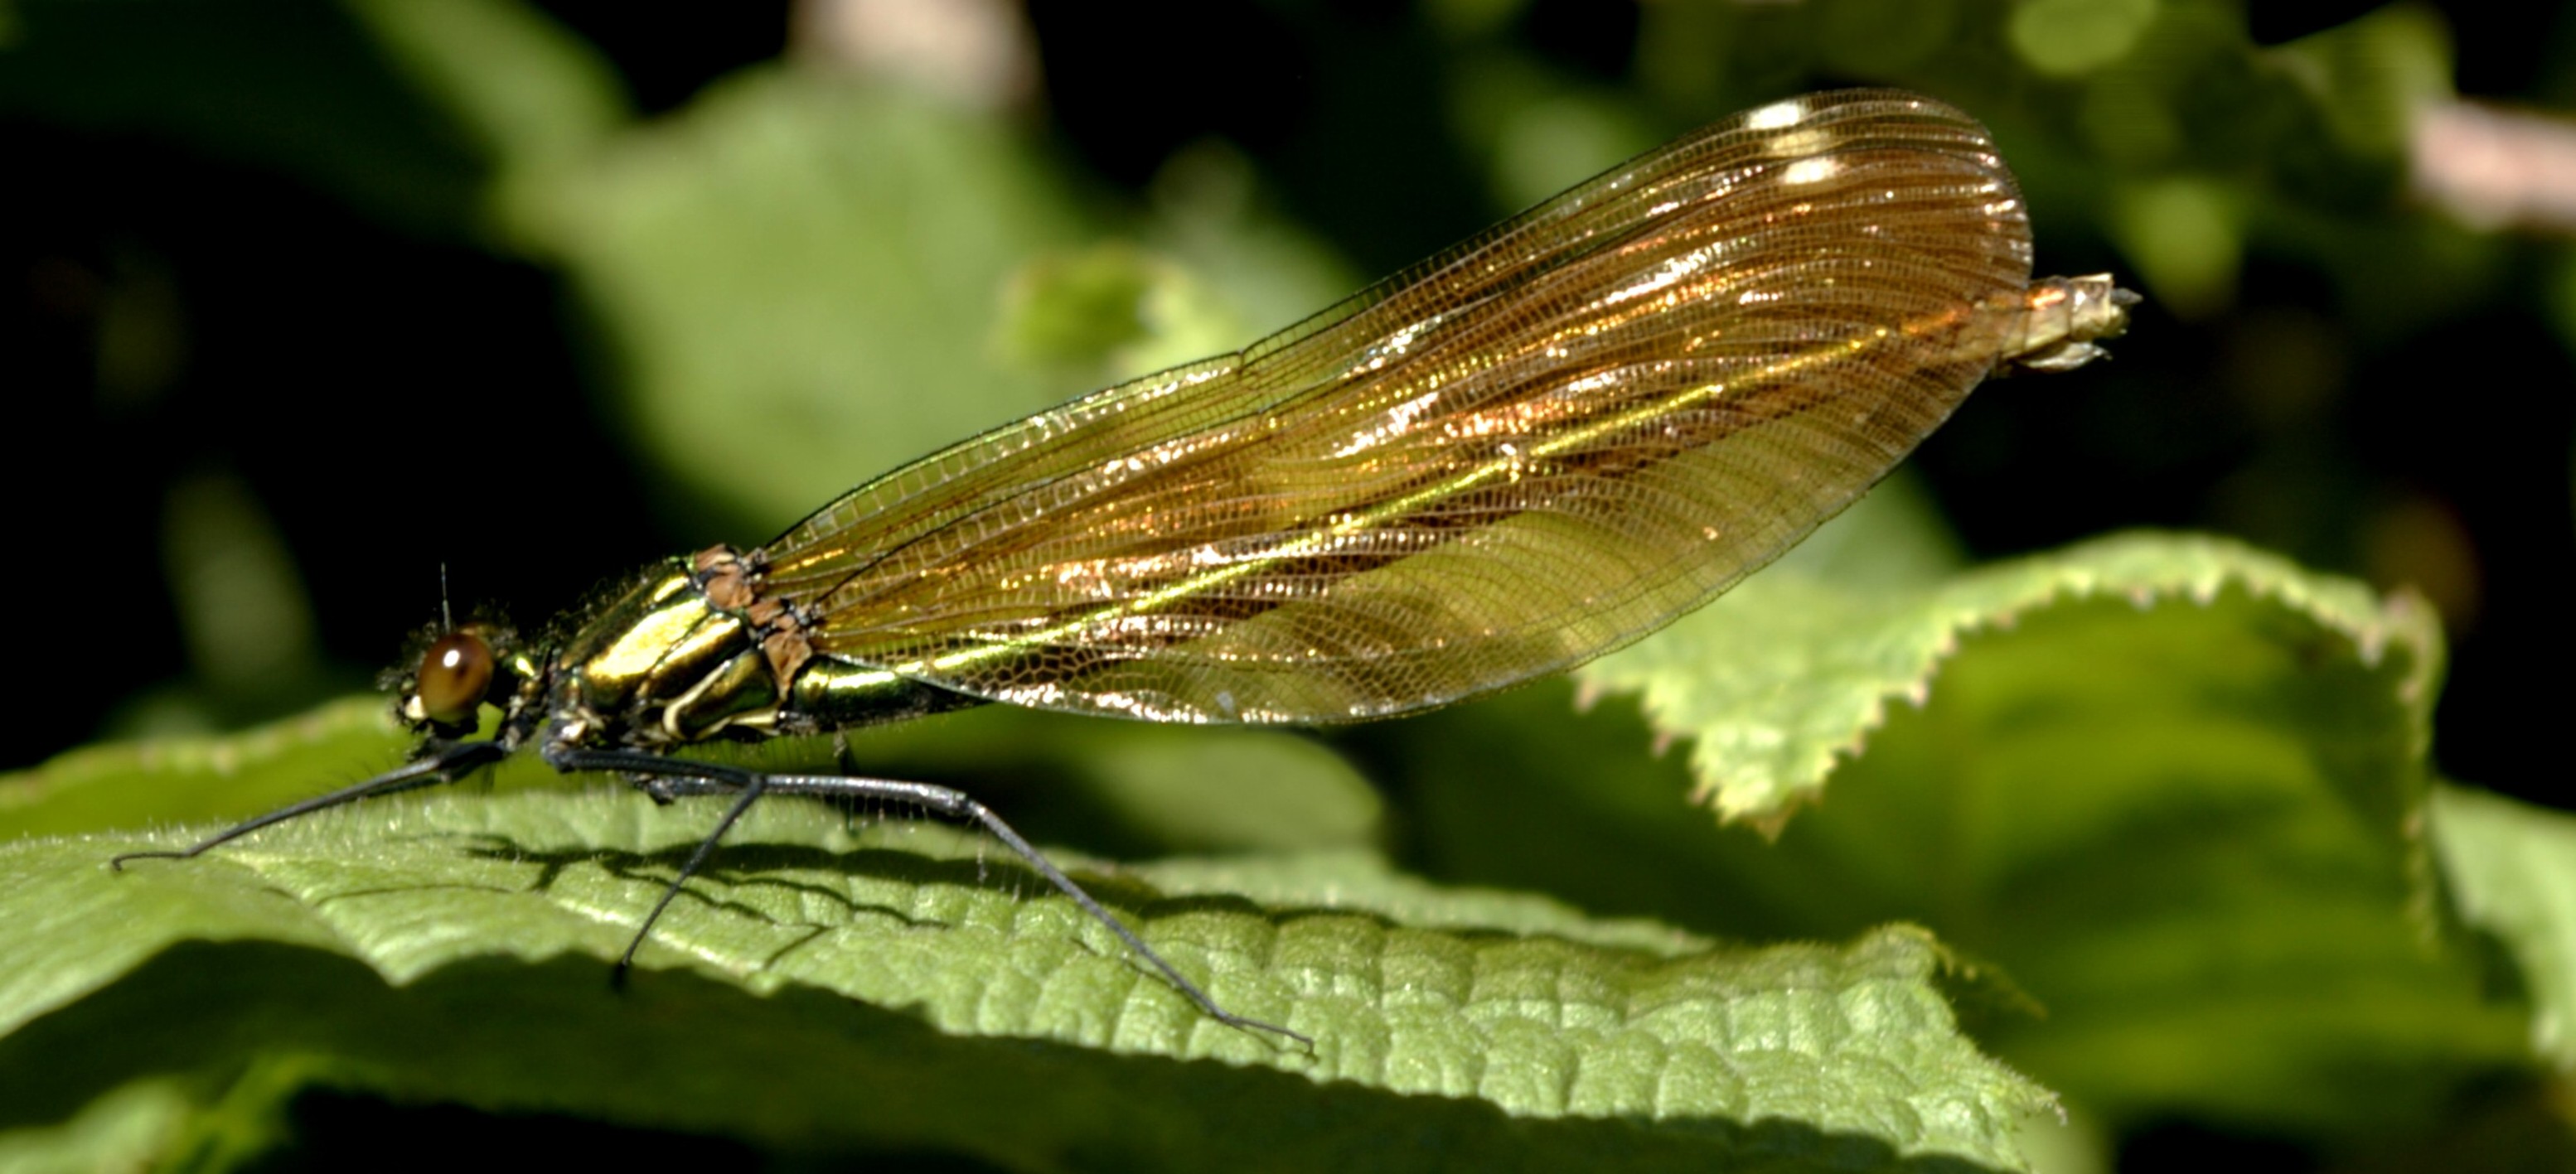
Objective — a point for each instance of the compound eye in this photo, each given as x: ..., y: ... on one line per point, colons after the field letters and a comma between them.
x: 453, y: 675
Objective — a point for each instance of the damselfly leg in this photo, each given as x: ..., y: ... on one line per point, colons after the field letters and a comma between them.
x: 446, y: 766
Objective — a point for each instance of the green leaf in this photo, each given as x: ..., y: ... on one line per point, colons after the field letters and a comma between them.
x: 797, y: 278
x: 2075, y: 37
x: 2512, y: 872
x: 1136, y: 790
x: 128, y: 1128
x: 1811, y: 666
x: 2166, y: 788
x: 2372, y: 76
x: 1106, y: 312
x: 138, y: 784
x: 803, y: 280
x: 832, y: 987
x: 526, y: 89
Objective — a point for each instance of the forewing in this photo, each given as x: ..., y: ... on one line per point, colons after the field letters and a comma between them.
x: 1523, y: 453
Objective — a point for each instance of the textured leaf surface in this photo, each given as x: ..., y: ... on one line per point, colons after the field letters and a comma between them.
x: 452, y: 948
x: 2168, y: 788
x: 1810, y: 666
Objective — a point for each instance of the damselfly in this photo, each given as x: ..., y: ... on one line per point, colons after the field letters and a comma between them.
x: 1521, y: 454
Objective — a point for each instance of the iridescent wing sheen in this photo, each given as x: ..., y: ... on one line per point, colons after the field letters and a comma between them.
x: 1527, y: 451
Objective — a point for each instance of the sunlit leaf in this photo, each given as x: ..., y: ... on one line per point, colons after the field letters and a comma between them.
x: 2512, y: 872
x: 455, y: 949
x: 2168, y: 789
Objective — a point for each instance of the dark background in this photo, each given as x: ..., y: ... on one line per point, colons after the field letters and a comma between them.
x: 342, y: 367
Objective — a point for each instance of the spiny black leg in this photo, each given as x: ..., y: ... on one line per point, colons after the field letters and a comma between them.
x: 446, y: 766
x: 677, y: 778
x: 751, y: 792
x: 966, y: 808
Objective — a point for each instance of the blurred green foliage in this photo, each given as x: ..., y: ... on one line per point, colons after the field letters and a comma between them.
x: 2162, y: 807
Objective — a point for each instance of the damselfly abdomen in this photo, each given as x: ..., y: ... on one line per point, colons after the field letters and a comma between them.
x: 1527, y: 451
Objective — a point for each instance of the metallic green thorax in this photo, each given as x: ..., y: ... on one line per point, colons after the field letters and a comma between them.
x: 665, y: 665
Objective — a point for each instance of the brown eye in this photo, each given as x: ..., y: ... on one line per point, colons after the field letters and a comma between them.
x: 453, y: 674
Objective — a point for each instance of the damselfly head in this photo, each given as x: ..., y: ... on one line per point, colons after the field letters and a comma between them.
x: 455, y: 673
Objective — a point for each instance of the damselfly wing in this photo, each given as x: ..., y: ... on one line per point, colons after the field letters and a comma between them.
x: 1525, y: 452
x: 1521, y: 454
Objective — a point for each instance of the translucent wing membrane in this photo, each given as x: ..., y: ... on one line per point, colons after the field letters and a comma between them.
x: 1519, y: 455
